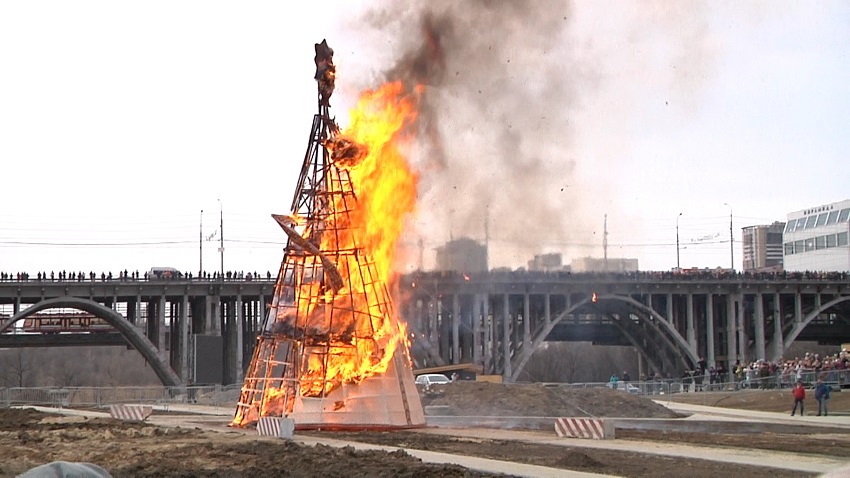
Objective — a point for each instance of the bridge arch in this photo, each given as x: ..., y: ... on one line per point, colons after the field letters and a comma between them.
x: 137, y: 339
x: 798, y: 328
x: 671, y: 332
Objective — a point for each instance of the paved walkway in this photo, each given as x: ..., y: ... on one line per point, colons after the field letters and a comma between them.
x: 774, y: 459
x: 702, y: 412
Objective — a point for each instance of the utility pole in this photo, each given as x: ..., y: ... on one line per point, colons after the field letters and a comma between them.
x: 731, y: 238
x: 678, y: 267
x: 201, y: 246
x: 221, y: 228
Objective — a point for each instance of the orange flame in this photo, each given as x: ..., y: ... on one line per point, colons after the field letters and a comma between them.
x: 364, y: 333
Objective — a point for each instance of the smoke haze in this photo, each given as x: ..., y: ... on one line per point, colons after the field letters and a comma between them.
x: 511, y: 91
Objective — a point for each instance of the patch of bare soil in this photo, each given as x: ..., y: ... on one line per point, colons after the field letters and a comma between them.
x: 816, y: 442
x: 29, y: 438
x: 533, y: 400
x: 612, y: 462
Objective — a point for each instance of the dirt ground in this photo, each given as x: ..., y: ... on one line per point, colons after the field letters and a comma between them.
x: 29, y: 438
x: 492, y: 399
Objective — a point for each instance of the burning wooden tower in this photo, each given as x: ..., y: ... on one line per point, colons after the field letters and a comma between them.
x: 332, y: 352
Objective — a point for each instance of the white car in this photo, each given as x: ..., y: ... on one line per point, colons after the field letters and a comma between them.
x: 431, y: 379
x: 624, y: 386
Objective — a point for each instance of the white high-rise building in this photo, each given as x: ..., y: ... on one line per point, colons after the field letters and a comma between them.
x: 818, y: 238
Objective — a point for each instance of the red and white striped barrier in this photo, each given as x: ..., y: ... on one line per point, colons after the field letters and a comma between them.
x: 130, y: 413
x: 276, y: 427
x: 594, y: 428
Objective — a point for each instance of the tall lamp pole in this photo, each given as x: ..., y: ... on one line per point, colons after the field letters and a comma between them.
x: 731, y: 238
x: 678, y: 267
x: 201, y: 246
x: 221, y: 229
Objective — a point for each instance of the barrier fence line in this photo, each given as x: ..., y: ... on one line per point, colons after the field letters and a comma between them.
x: 227, y: 396
x: 101, y: 397
x: 703, y: 383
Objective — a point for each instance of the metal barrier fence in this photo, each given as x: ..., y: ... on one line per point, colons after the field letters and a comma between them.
x: 837, y: 379
x: 101, y: 397
x: 227, y: 396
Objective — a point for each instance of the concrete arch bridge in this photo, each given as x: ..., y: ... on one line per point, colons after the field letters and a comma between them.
x: 190, y: 331
x: 499, y: 320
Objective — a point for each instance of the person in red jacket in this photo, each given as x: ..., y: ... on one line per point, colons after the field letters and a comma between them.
x: 799, y: 393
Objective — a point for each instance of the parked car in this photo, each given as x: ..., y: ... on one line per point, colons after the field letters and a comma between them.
x: 431, y: 378
x: 624, y: 386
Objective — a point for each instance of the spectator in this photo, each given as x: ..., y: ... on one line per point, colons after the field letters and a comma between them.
x: 614, y: 378
x: 822, y: 396
x: 626, y: 377
x: 799, y: 393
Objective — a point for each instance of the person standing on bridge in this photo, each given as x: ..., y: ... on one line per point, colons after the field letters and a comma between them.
x: 799, y: 393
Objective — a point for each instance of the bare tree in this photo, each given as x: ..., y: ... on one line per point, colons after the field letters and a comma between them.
x: 573, y: 362
x: 66, y: 374
x: 555, y: 362
x: 19, y: 368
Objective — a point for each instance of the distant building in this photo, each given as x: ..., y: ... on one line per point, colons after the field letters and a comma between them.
x: 462, y: 255
x: 546, y: 262
x: 816, y: 239
x: 597, y: 264
x: 763, y: 247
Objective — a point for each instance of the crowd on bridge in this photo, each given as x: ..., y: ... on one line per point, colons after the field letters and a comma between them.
x: 493, y: 275
x: 636, y: 276
x: 73, y: 276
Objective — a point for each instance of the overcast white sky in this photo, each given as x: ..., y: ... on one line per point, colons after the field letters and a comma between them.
x: 120, y: 122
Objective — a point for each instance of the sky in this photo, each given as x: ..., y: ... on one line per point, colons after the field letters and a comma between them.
x: 130, y: 131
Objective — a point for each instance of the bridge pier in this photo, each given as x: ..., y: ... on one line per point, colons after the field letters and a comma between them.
x: 740, y: 325
x: 731, y: 335
x: 710, y: 358
x: 507, y: 371
x: 759, y: 326
x: 691, y: 332
x: 778, y: 339
x: 183, y: 346
x: 455, y: 329
x: 240, y: 326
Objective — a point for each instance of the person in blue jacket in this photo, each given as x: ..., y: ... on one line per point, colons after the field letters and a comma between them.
x: 822, y: 396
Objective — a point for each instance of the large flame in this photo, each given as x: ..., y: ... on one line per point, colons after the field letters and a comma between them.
x: 385, y: 186
x: 357, y: 328
x: 383, y: 180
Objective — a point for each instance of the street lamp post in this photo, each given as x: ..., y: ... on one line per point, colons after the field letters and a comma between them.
x: 678, y: 267
x: 221, y: 237
x: 731, y: 238
x: 201, y: 246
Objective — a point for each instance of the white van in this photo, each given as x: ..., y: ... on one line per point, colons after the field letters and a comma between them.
x: 164, y: 273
